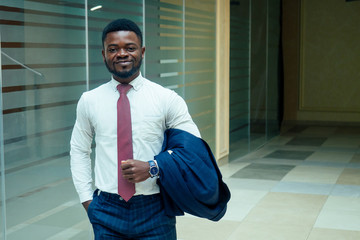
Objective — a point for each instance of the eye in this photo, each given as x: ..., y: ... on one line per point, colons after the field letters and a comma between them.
x: 131, y: 49
x: 112, y: 50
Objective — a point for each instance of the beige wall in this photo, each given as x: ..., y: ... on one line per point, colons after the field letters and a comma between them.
x: 321, y: 60
x: 222, y: 79
x: 291, y: 46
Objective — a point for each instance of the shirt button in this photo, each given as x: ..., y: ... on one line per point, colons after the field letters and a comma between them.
x: 120, y: 198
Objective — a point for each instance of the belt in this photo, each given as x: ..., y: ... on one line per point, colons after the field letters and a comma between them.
x: 117, y: 197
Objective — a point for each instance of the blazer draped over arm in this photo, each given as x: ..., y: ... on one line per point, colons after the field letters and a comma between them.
x: 190, y: 180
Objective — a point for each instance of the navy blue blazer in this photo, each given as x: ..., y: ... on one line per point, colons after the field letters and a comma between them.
x: 190, y: 180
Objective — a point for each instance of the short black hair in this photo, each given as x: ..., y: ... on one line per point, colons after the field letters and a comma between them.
x: 122, y: 24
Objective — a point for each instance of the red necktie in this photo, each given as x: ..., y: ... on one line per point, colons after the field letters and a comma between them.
x: 124, y: 140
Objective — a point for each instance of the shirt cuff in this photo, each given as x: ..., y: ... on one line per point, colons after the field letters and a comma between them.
x: 85, y: 196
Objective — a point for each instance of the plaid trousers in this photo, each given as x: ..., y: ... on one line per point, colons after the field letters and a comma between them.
x: 141, y: 218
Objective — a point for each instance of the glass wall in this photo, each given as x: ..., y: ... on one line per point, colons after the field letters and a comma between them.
x: 258, y: 73
x: 50, y: 54
x: 239, y: 78
x: 43, y: 74
x: 275, y: 71
x: 200, y: 65
x: 255, y: 74
x: 180, y: 54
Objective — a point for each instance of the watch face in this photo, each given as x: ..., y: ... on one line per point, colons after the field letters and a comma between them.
x: 154, y: 171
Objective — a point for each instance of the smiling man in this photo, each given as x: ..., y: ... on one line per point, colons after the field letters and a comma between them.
x: 123, y: 54
x: 127, y: 116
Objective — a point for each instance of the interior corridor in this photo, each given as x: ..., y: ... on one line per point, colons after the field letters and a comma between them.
x: 302, y: 185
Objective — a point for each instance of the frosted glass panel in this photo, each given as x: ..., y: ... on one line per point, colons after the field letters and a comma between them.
x: 258, y: 73
x: 43, y: 75
x: 255, y: 74
x: 180, y: 55
x: 200, y: 68
x: 239, y: 77
x: 44, y: 64
x: 274, y: 114
x: 165, y: 44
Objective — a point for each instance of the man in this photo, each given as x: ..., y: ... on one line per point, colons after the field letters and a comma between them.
x: 153, y: 109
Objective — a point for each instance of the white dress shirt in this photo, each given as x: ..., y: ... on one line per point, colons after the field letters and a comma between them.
x: 153, y: 110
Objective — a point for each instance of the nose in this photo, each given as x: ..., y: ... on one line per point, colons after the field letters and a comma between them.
x: 122, y: 53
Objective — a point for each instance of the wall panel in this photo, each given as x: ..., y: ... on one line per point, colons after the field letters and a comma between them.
x: 51, y: 54
x: 329, y: 75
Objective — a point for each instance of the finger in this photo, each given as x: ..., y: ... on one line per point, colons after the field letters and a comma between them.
x: 131, y: 179
x: 127, y: 169
x: 127, y: 173
x: 125, y: 164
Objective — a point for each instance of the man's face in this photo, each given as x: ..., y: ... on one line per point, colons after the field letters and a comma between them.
x: 123, y: 55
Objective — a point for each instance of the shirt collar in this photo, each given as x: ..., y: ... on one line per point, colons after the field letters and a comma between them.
x: 136, y: 83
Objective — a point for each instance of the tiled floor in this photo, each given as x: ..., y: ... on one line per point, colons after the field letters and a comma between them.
x: 302, y: 185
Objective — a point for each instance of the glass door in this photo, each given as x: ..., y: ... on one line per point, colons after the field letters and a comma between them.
x: 239, y: 78
x: 255, y: 74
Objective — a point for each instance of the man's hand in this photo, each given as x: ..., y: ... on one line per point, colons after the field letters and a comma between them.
x: 135, y: 171
x: 86, y: 204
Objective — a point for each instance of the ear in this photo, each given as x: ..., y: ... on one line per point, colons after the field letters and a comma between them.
x: 142, y: 52
x: 103, y: 54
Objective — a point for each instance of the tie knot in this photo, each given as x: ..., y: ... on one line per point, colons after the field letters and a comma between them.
x: 123, y: 88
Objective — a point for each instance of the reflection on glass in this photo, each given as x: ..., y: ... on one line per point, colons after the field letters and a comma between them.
x: 254, y: 74
x: 43, y: 75
x: 49, y: 38
x: 274, y: 70
x: 180, y: 55
x: 239, y: 77
x: 258, y: 73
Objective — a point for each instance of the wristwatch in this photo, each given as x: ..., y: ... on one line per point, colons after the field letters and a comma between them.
x: 154, y: 169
